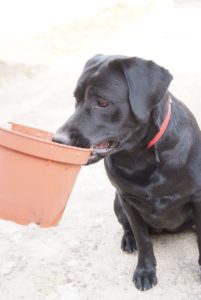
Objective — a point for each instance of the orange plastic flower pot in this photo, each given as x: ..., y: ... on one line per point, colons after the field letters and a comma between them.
x: 36, y: 175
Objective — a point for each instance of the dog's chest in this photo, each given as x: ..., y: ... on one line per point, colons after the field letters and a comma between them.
x: 151, y: 204
x: 159, y: 201
x: 148, y: 187
x: 168, y: 212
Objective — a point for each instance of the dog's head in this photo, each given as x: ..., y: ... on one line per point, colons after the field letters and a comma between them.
x: 115, y: 96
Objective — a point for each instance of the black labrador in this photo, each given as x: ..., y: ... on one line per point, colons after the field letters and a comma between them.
x: 151, y: 145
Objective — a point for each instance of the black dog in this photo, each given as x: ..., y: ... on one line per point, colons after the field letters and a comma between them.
x: 151, y: 145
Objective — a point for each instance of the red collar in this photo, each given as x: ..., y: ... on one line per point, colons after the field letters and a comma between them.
x: 163, y: 126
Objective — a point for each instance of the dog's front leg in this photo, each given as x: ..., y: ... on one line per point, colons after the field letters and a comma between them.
x: 145, y: 273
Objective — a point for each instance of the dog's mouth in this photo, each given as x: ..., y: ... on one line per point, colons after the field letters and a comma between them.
x: 104, y: 148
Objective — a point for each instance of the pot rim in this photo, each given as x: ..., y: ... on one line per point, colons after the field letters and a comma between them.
x: 40, y: 147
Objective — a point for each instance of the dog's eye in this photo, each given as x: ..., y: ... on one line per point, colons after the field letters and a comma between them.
x: 102, y: 103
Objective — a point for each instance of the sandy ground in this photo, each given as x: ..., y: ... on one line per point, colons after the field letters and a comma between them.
x: 81, y: 258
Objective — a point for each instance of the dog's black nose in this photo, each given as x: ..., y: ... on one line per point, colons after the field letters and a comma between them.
x: 60, y: 139
x: 74, y: 139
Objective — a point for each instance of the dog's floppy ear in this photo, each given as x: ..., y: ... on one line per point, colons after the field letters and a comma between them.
x: 147, y: 84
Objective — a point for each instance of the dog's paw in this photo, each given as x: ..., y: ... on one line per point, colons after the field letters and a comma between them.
x: 128, y: 243
x: 145, y: 278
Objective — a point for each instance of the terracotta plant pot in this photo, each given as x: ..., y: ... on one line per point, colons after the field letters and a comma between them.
x: 36, y: 175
